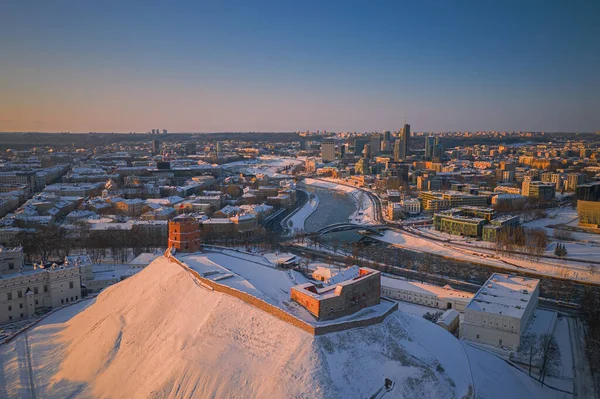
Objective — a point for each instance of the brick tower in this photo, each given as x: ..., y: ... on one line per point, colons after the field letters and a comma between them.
x: 184, y: 234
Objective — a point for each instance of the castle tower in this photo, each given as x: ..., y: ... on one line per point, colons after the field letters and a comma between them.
x: 184, y: 234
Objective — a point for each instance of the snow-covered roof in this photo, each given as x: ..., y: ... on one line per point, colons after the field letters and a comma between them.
x: 445, y: 292
x: 505, y: 295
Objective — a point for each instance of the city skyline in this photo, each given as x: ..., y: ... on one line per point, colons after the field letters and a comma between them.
x: 470, y: 66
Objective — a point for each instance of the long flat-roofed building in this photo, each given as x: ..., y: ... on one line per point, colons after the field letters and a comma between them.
x: 501, y: 310
x: 425, y: 294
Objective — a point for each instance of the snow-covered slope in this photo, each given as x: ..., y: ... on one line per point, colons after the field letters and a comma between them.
x: 159, y: 334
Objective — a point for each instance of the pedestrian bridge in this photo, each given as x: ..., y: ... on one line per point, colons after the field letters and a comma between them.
x: 333, y: 228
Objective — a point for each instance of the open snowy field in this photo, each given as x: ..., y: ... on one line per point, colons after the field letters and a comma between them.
x: 266, y: 165
x: 158, y: 334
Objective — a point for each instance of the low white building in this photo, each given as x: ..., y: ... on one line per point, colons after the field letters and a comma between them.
x: 23, y: 291
x: 500, y: 311
x: 424, y: 294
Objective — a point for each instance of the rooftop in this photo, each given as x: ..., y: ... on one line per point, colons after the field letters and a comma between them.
x: 505, y: 295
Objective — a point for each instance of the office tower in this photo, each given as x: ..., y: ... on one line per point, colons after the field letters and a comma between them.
x: 219, y: 147
x: 155, y: 147
x: 438, y: 150
x: 406, y: 138
x: 359, y: 144
x: 328, y: 150
x: 387, y: 136
x: 429, y: 146
x: 164, y: 131
x: 398, y: 150
x: 375, y: 144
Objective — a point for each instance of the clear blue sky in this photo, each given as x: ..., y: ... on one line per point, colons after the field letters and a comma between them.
x: 295, y: 65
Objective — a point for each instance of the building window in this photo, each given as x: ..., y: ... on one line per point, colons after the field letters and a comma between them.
x: 45, y: 288
x: 62, y: 301
x: 9, y: 317
x: 477, y: 336
x: 35, y: 290
x: 36, y: 302
x: 9, y: 296
x: 20, y: 294
x: 20, y: 306
x: 21, y: 314
x: 76, y: 297
x: 11, y: 266
x: 70, y: 284
x: 9, y: 308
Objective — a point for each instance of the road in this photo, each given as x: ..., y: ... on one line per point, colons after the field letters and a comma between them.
x: 583, y: 385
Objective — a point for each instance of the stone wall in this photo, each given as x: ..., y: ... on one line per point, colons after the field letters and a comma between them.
x: 278, y: 312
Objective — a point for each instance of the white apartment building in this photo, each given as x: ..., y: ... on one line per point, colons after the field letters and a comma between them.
x: 424, y: 294
x: 411, y: 206
x: 23, y: 292
x: 500, y: 311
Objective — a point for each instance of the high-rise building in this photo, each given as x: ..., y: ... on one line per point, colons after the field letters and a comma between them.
x: 328, y: 150
x: 574, y: 180
x: 359, y: 144
x: 398, y: 150
x: 429, y: 146
x: 406, y: 138
x: 367, y: 151
x: 220, y: 147
x: 401, y: 144
x: 387, y: 136
x: 164, y: 131
x: 375, y: 144
x: 155, y: 147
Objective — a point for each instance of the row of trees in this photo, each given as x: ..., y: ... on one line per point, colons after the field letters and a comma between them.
x: 530, y: 243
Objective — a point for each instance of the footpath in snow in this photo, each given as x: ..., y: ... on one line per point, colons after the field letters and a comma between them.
x: 365, y: 209
x: 295, y: 222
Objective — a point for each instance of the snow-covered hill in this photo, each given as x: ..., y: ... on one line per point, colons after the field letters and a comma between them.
x: 159, y: 334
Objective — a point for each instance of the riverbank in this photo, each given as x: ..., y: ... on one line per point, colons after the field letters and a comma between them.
x: 365, y: 209
x: 294, y: 223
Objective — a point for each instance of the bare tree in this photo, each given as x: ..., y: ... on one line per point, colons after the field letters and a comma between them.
x: 529, y: 346
x: 549, y: 354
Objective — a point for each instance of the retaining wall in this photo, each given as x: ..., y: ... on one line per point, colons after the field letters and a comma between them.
x: 278, y: 312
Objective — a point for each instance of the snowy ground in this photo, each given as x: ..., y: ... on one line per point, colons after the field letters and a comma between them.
x: 495, y: 378
x: 295, y: 223
x: 365, y: 209
x: 267, y: 165
x: 158, y: 334
x: 411, y: 241
x: 255, y: 275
